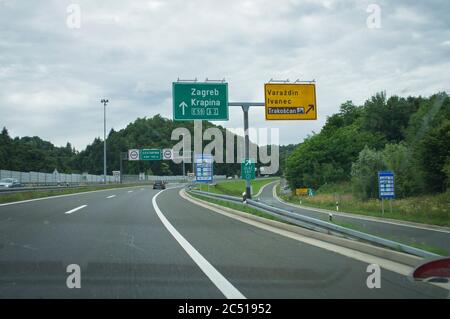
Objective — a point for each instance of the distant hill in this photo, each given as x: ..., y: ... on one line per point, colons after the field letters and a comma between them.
x: 35, y: 154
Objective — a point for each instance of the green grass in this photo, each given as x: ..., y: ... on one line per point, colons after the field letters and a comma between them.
x: 423, y: 246
x: 15, y: 197
x: 241, y: 207
x: 236, y: 187
x: 427, y: 209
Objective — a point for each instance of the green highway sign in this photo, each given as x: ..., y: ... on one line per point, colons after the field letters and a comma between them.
x: 152, y: 154
x: 200, y: 101
x: 247, y: 169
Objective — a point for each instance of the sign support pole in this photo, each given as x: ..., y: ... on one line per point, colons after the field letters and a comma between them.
x: 245, y: 107
x: 248, y: 193
x: 184, y: 150
x: 104, y: 102
x: 123, y: 156
x: 121, y: 167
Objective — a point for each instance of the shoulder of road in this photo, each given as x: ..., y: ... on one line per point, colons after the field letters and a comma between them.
x: 368, y: 218
x: 283, y: 228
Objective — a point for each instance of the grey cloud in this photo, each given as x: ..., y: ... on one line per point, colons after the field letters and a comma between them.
x: 131, y: 51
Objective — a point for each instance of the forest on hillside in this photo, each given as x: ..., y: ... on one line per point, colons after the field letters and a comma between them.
x: 34, y: 154
x: 409, y: 136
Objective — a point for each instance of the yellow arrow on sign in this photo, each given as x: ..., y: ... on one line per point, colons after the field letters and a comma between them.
x: 290, y: 101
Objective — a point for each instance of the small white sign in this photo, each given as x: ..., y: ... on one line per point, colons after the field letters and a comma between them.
x: 116, y: 175
x: 133, y: 155
x: 167, y: 154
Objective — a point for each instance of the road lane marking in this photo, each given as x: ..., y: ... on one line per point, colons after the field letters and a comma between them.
x: 111, y: 196
x: 212, y: 273
x: 75, y: 209
x: 59, y: 196
x: 350, y: 216
x: 130, y: 191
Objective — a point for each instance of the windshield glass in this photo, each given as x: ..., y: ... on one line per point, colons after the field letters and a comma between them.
x: 288, y: 149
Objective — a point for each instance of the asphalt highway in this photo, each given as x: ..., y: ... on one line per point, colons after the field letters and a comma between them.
x: 143, y: 243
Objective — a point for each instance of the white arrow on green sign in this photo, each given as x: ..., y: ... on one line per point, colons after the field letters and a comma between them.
x: 200, y: 101
x: 247, y: 169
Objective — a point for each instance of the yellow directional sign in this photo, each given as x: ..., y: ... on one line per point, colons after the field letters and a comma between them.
x: 291, y: 101
x: 301, y: 191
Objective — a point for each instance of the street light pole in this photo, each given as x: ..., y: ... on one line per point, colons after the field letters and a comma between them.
x: 104, y: 101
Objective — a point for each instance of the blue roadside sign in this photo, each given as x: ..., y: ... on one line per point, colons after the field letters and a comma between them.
x: 386, y: 189
x: 204, y: 168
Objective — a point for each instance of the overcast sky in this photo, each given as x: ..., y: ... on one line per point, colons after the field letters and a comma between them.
x: 52, y: 77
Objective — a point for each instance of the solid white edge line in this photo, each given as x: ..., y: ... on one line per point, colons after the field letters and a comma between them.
x: 65, y: 195
x: 215, y: 276
x: 348, y: 215
x: 75, y: 209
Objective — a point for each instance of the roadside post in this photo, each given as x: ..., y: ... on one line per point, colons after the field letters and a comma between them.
x: 336, y: 198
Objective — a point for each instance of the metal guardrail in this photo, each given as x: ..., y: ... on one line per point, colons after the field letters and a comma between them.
x: 318, y: 225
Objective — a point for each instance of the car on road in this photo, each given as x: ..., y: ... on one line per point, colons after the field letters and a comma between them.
x: 159, y: 185
x: 9, y: 183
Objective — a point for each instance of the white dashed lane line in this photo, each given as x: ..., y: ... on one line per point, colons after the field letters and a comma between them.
x: 111, y: 196
x: 75, y: 209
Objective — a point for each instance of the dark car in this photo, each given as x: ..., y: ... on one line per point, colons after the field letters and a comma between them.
x: 159, y: 185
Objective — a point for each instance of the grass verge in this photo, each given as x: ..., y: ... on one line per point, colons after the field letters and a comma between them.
x: 418, y: 245
x: 236, y: 187
x: 427, y: 209
x: 256, y: 212
x: 16, y: 197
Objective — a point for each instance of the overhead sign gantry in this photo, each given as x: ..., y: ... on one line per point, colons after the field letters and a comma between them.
x: 192, y: 100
